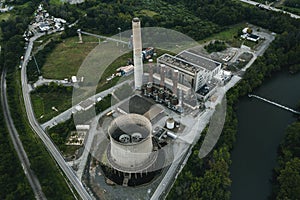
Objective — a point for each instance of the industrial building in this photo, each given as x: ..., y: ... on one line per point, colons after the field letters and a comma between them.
x: 125, y: 70
x: 247, y: 34
x: 194, y: 70
x: 140, y: 127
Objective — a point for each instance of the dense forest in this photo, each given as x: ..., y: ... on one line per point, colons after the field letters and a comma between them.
x: 13, y: 184
x: 286, y: 176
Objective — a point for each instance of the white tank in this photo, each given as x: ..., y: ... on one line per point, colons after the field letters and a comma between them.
x: 170, y: 123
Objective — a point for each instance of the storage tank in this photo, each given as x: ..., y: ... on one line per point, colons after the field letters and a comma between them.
x: 172, y: 135
x: 170, y: 123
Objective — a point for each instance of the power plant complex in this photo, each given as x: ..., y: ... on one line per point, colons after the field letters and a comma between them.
x: 146, y: 124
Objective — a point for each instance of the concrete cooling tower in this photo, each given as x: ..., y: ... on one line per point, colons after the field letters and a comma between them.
x: 131, y: 148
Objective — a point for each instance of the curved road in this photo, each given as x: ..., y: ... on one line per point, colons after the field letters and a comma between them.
x: 268, y: 7
x: 68, y: 171
x: 33, y: 181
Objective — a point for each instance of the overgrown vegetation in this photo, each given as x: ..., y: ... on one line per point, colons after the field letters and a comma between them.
x: 34, y: 67
x: 286, y: 176
x: 62, y: 131
x: 215, y: 46
x: 49, y: 101
x: 13, y: 182
x: 52, y: 182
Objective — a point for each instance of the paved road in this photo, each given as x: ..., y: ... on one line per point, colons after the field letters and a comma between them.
x: 268, y: 7
x: 68, y: 171
x: 33, y: 180
x: 67, y: 114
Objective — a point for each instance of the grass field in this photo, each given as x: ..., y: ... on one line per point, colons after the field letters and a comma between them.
x: 43, y: 102
x: 144, y: 12
x: 67, y: 57
x: 229, y: 35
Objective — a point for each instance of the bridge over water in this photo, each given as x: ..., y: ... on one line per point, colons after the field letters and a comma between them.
x: 275, y: 104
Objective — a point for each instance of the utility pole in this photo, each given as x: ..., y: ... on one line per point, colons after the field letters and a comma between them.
x: 36, y: 65
x: 119, y: 35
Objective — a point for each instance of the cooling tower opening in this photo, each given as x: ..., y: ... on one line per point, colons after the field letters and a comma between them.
x: 130, y: 129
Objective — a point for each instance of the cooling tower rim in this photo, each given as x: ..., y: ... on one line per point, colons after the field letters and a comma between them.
x: 122, y: 119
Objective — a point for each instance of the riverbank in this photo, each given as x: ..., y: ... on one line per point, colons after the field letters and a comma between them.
x: 208, y: 178
x: 286, y: 177
x: 261, y: 128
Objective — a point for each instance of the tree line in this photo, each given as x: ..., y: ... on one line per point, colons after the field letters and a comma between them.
x: 286, y: 176
x: 52, y: 182
x: 13, y: 182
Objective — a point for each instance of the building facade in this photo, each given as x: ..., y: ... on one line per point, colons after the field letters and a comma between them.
x: 193, y: 69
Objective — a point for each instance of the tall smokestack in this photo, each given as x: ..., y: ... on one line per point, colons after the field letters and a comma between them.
x: 175, y: 81
x: 162, y: 75
x: 137, y: 53
x: 150, y: 71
